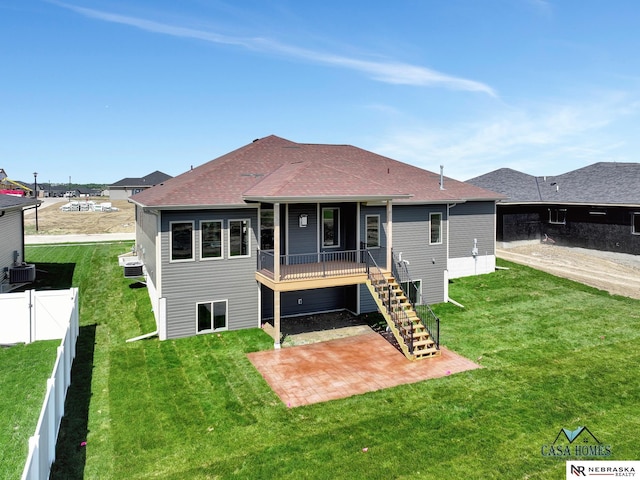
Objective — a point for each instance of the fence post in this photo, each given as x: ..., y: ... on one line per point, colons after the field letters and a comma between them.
x: 51, y: 421
x: 32, y: 468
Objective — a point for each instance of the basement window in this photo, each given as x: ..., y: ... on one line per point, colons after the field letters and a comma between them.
x: 635, y: 223
x: 558, y: 216
x: 212, y: 316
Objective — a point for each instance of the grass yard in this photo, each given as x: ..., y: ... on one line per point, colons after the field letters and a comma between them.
x: 555, y: 354
x: 23, y: 385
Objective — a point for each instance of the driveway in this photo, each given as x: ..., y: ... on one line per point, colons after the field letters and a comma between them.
x: 78, y: 238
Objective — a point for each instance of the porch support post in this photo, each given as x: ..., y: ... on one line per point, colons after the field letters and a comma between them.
x: 276, y: 319
x: 389, y: 235
x: 276, y: 245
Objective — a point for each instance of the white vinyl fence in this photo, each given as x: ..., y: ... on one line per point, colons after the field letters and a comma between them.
x: 47, y: 312
x: 35, y: 315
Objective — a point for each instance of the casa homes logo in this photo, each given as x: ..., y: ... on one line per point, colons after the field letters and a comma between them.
x: 576, y: 443
x: 602, y: 468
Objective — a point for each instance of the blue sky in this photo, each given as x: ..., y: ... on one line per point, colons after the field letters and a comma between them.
x: 100, y: 90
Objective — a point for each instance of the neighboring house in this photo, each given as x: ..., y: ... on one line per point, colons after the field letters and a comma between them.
x: 595, y: 207
x: 123, y: 189
x: 12, y: 239
x: 207, y: 237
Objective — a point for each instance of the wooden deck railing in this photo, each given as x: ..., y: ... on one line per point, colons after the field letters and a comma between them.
x: 307, y: 266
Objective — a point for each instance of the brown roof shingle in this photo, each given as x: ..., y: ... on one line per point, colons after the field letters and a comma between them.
x: 276, y: 169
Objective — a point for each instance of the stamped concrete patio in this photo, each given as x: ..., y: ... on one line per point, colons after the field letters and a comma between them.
x: 334, y: 369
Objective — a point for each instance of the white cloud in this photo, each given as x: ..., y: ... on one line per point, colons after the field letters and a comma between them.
x: 384, y: 71
x: 542, y: 141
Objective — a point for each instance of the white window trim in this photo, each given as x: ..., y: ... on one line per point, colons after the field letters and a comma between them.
x: 226, y: 317
x: 366, y: 230
x: 558, y: 210
x: 248, y: 220
x: 193, y: 242
x: 431, y: 215
x: 633, y: 222
x: 221, y: 257
x: 336, y: 223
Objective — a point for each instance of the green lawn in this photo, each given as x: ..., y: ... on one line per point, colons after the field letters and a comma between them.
x: 23, y: 385
x: 556, y: 355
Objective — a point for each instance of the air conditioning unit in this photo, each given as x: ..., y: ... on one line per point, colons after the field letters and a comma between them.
x: 133, y: 269
x: 22, y: 273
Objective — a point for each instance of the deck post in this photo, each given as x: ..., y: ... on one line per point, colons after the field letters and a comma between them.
x: 389, y: 237
x: 276, y: 319
x: 276, y: 242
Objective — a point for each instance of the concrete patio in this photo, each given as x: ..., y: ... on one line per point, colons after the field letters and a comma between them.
x: 307, y: 374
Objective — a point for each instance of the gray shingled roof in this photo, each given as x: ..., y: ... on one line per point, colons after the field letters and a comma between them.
x: 603, y: 183
x: 274, y: 169
x: 11, y: 202
x: 150, y: 180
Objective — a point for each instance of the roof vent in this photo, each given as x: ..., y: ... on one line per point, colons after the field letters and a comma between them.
x: 441, y: 177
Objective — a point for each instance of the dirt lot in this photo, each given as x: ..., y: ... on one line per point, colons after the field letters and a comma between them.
x: 53, y: 221
x: 617, y: 273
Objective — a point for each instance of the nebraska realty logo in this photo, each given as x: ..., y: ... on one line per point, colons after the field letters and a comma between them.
x: 576, y: 443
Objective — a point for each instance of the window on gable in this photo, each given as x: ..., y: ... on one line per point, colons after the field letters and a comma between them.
x: 558, y: 216
x: 212, y: 316
x: 330, y: 227
x: 211, y: 238
x: 239, y: 240
x: 181, y: 241
x: 373, y: 231
x: 635, y: 223
x: 435, y: 226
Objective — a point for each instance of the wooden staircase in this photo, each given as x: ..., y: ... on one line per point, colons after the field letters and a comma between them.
x: 413, y: 337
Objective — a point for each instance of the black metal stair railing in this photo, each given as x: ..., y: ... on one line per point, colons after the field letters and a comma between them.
x: 391, y: 301
x: 427, y: 317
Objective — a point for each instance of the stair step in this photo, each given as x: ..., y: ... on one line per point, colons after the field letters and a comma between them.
x: 431, y: 352
x: 422, y: 343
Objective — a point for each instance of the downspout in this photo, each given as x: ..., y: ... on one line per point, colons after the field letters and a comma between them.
x: 446, y: 279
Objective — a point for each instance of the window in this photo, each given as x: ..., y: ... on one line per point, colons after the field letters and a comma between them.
x: 212, y: 316
x: 266, y: 228
x: 181, y: 241
x: 558, y: 215
x: 413, y: 291
x: 373, y: 231
x: 635, y: 223
x: 239, y: 244
x: 330, y: 227
x: 211, y: 238
x: 435, y: 226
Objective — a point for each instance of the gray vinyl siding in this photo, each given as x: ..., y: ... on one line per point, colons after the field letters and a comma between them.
x: 184, y: 284
x: 119, y: 193
x: 468, y: 221
x: 11, y: 238
x: 367, y: 303
x: 313, y: 301
x: 411, y: 236
x: 302, y: 239
x: 146, y: 230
